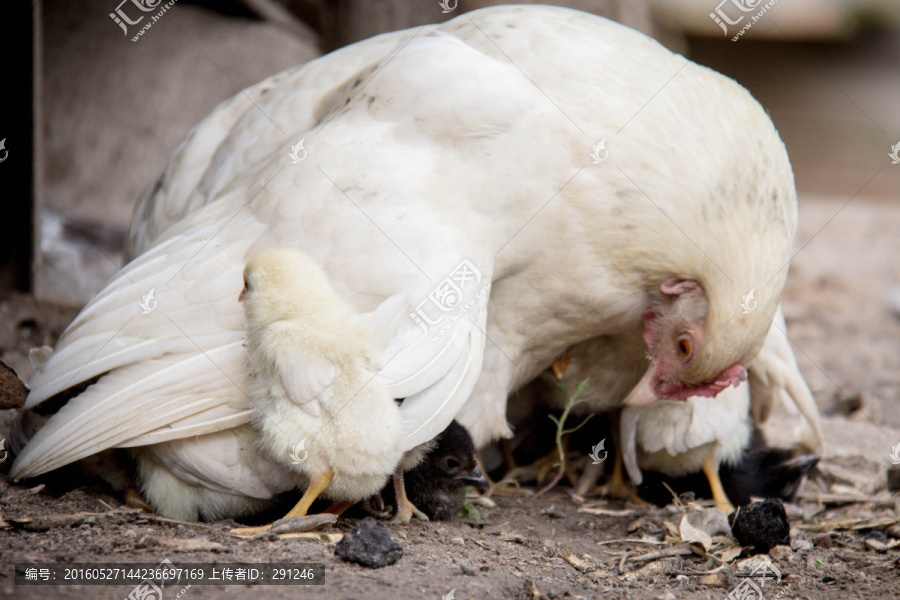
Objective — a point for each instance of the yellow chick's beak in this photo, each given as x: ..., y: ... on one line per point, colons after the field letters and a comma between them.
x: 241, y: 295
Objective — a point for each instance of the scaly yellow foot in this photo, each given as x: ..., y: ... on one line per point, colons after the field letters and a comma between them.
x: 711, y: 470
x: 406, y: 510
x: 616, y: 486
x: 135, y: 499
x: 318, y: 485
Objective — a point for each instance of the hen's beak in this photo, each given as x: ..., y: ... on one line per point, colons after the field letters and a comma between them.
x: 241, y: 295
x: 644, y: 392
x: 476, y: 479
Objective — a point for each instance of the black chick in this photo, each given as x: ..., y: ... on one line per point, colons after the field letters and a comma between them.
x: 761, y: 472
x: 766, y: 473
x: 437, y: 484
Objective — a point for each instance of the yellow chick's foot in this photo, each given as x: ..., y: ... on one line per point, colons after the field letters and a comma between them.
x: 338, y: 508
x: 315, y: 489
x: 711, y: 470
x: 406, y: 510
x: 134, y: 499
x: 616, y: 487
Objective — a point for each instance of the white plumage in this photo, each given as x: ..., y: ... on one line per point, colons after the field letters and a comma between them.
x: 465, y: 141
x: 675, y: 438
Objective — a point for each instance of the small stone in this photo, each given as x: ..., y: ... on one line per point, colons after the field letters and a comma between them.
x: 893, y: 478
x: 723, y: 578
x: 876, y: 545
x: 849, y: 404
x: 466, y: 569
x: 761, y: 526
x: 370, y: 545
x: 458, y: 541
x: 146, y: 541
x: 801, y: 544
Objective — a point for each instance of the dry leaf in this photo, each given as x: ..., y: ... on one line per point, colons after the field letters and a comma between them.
x: 729, y: 554
x: 690, y: 533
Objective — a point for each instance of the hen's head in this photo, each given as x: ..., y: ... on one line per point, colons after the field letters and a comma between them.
x: 692, y: 350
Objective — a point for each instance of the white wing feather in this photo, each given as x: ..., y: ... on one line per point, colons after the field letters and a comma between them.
x: 774, y: 375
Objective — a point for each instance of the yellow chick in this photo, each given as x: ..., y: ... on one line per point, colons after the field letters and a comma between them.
x: 318, y: 408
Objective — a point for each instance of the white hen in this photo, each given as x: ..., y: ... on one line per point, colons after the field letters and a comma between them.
x: 446, y: 166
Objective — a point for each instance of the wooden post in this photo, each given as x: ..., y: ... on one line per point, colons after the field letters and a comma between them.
x: 347, y: 21
x: 19, y: 164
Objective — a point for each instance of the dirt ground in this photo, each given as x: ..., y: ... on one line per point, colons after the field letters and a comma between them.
x: 843, y: 527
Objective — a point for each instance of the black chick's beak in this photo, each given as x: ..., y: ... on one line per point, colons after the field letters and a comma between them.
x: 476, y: 479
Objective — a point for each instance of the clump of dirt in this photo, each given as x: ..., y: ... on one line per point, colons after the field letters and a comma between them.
x: 370, y: 545
x: 761, y: 526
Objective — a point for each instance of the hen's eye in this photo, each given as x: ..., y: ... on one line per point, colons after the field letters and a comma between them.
x: 684, y: 346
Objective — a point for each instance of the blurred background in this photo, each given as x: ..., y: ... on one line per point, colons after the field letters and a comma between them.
x: 97, y: 114
x: 108, y: 111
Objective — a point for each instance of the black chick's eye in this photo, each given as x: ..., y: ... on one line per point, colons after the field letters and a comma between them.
x: 451, y: 464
